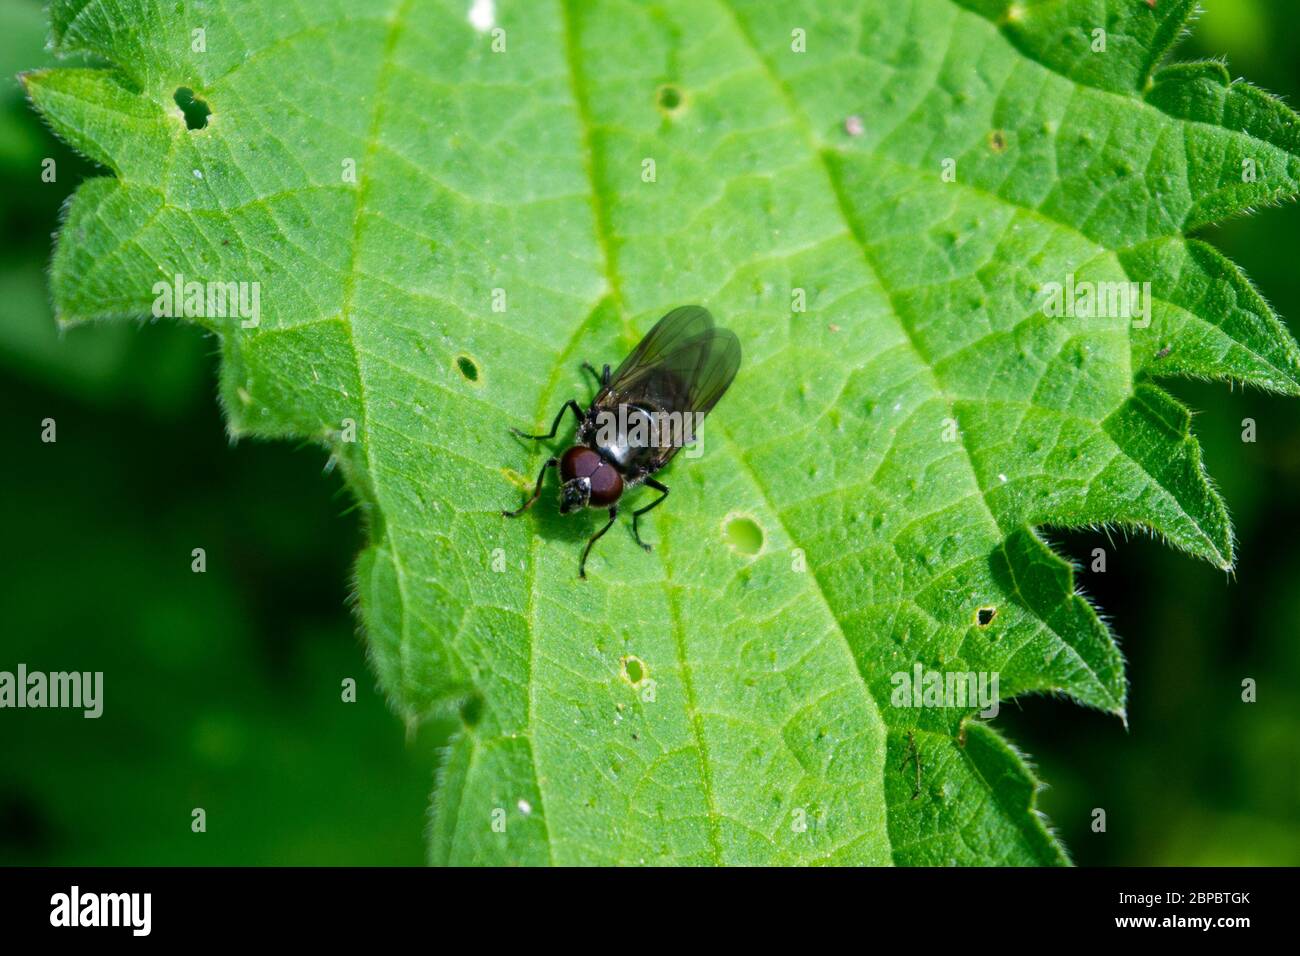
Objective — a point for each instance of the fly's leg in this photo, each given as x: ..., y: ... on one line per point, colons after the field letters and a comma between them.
x: 555, y: 425
x: 650, y: 483
x: 537, y: 491
x: 602, y: 378
x: 582, y: 565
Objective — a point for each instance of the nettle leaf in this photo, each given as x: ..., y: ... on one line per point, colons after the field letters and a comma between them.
x: 881, y: 199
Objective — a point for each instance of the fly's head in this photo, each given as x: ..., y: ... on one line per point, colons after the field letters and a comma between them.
x: 588, y: 480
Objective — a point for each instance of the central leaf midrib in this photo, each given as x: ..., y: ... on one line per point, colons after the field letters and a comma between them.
x: 611, y: 274
x: 609, y: 270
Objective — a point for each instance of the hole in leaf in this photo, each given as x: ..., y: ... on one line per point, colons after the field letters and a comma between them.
x: 467, y: 367
x: 196, y: 111
x: 743, y: 535
x: 984, y: 616
x: 634, y: 669
x: 471, y: 711
x: 670, y: 98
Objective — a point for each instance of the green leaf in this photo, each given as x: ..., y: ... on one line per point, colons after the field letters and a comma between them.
x: 891, y: 452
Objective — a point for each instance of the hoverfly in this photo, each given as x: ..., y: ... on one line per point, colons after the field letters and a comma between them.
x: 650, y: 406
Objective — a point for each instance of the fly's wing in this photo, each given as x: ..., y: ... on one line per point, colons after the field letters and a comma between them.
x: 683, y: 365
x: 667, y: 336
x: 715, y: 371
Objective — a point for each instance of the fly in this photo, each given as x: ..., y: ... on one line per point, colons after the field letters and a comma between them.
x: 643, y: 413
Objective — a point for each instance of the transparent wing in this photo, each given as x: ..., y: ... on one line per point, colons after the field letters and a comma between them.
x: 683, y: 364
x: 714, y: 373
x: 668, y: 334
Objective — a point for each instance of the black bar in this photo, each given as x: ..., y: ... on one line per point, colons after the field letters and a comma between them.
x: 435, y: 907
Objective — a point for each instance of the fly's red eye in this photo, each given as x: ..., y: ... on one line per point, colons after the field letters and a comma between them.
x: 606, y: 485
x: 579, y: 462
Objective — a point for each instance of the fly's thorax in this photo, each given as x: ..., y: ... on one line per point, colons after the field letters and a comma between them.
x: 624, y: 432
x: 633, y: 434
x: 588, y: 480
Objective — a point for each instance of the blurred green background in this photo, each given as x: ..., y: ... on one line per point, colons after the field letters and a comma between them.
x: 223, y: 689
